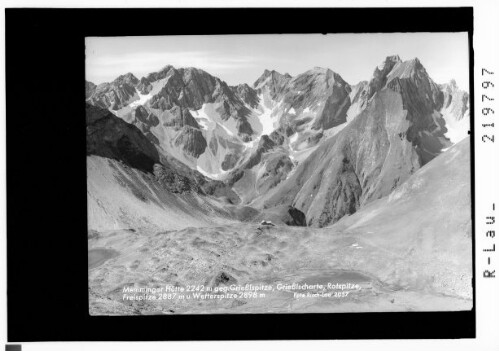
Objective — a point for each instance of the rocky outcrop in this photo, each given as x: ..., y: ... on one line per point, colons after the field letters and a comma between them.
x: 179, y: 117
x: 111, y: 137
x: 89, y: 89
x: 380, y: 74
x: 296, y: 217
x: 230, y: 161
x: 275, y: 170
x: 144, y: 120
x: 191, y: 140
x: 117, y: 94
x: 247, y: 94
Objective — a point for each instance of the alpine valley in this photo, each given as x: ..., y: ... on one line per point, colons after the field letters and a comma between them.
x: 300, y: 184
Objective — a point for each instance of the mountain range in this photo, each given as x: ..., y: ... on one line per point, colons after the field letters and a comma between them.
x: 312, y: 143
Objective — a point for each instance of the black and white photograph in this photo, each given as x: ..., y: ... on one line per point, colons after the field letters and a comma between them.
x: 278, y: 173
x: 285, y: 176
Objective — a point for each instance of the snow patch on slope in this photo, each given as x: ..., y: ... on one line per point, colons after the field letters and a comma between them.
x: 216, y: 176
x: 457, y: 130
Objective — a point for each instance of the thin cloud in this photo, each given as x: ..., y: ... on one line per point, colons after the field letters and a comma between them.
x: 107, y: 68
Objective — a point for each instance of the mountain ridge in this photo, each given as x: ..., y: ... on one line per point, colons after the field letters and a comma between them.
x: 259, y: 139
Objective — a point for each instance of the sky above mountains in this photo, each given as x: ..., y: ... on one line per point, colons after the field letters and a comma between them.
x: 243, y: 58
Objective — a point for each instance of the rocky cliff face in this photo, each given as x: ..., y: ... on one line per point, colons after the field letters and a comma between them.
x: 89, y: 89
x: 116, y: 94
x: 247, y: 94
x: 397, y: 132
x: 109, y: 136
x: 190, y: 88
x: 320, y: 90
x: 273, y: 82
x: 319, y: 97
x: 191, y: 140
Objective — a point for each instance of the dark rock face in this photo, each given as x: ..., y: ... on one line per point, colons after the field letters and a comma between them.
x: 230, y: 161
x: 144, y: 120
x: 111, y: 137
x: 190, y: 88
x: 179, y: 118
x: 89, y: 89
x: 115, y: 95
x: 420, y: 97
x: 247, y: 94
x: 343, y: 197
x: 297, y: 217
x: 191, y: 140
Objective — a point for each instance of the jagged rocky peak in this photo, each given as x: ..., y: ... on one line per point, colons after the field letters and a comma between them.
x: 408, y: 69
x: 319, y: 77
x: 271, y: 79
x: 320, y: 90
x: 111, y: 137
x: 117, y: 94
x: 127, y: 78
x: 422, y: 98
x: 247, y: 94
x: 409, y: 78
x: 89, y: 89
x: 389, y: 62
x: 380, y: 74
x: 145, y: 83
x: 191, y: 88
